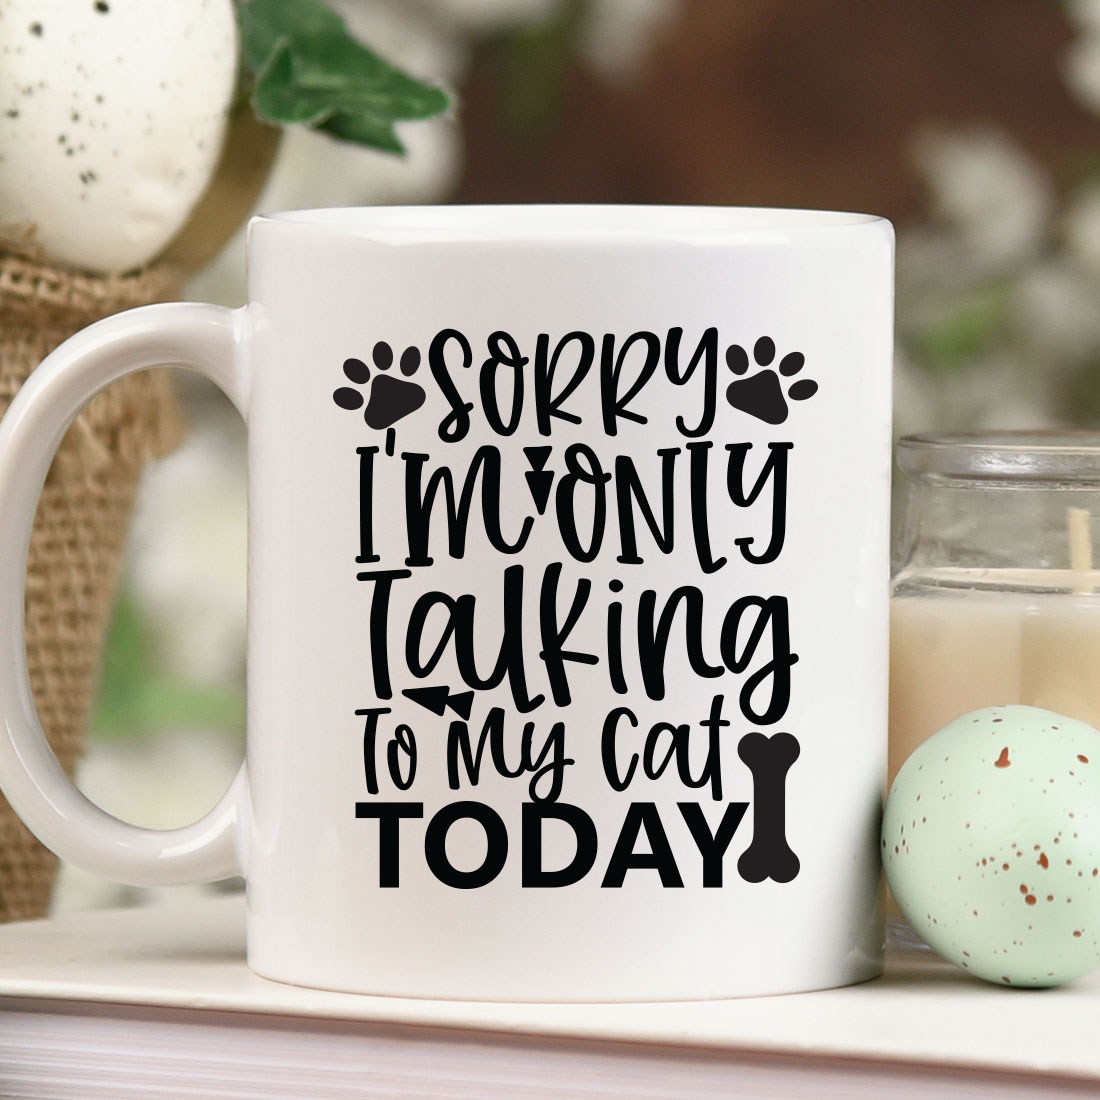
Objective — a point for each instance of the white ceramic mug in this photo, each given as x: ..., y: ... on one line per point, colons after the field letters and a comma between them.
x: 567, y: 598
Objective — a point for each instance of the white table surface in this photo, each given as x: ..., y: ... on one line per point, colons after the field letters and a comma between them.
x: 191, y: 956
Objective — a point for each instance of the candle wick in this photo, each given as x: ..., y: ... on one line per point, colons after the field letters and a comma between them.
x: 1080, y: 549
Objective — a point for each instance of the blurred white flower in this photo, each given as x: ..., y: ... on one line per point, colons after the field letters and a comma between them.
x: 1055, y: 312
x: 1081, y: 229
x: 1085, y: 13
x: 988, y: 193
x: 999, y: 309
x: 1081, y: 70
x: 188, y: 552
x: 989, y: 318
x: 1081, y: 65
x: 617, y: 35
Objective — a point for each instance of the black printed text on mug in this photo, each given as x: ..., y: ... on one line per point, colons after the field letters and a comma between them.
x: 594, y: 504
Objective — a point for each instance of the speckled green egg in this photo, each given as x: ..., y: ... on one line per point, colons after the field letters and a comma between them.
x: 991, y: 844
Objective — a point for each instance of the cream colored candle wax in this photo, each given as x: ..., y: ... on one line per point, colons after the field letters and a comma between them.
x: 955, y: 649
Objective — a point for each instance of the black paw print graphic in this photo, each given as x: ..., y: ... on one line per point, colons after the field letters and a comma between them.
x: 761, y: 394
x: 390, y: 398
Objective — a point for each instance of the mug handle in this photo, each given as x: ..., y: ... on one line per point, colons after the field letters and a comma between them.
x: 211, y: 340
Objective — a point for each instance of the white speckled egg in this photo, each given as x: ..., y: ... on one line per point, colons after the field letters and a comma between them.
x: 991, y: 844
x: 112, y: 114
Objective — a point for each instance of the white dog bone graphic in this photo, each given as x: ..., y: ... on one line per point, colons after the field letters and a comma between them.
x: 769, y: 855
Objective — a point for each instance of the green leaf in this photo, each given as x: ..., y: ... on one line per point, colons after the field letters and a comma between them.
x: 308, y: 70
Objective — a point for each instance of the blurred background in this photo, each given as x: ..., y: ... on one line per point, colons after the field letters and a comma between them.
x: 972, y: 126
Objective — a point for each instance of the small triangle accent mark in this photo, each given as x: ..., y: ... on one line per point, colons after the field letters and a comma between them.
x: 438, y: 699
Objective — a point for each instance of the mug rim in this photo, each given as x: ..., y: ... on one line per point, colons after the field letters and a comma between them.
x: 619, y: 222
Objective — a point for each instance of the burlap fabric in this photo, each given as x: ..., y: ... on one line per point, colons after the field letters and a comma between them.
x: 81, y: 525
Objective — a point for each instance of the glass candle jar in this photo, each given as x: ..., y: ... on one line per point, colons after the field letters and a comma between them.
x: 995, y: 598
